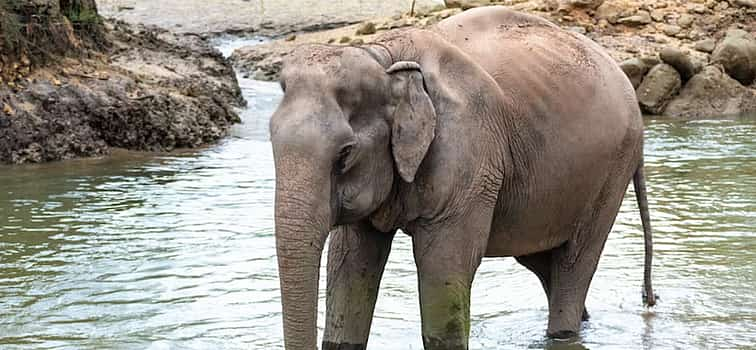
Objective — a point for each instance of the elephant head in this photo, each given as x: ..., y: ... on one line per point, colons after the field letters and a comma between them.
x: 351, y: 126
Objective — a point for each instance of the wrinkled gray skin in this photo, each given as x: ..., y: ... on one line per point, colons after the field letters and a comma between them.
x: 495, y: 134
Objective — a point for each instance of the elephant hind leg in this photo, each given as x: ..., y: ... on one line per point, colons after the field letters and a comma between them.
x: 574, y: 263
x: 540, y: 264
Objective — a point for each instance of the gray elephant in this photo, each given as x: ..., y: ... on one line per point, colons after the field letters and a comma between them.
x: 495, y: 134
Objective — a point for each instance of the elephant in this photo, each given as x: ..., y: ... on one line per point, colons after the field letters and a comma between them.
x: 493, y: 134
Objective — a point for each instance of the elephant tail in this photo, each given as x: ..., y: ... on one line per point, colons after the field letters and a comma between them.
x: 639, y: 182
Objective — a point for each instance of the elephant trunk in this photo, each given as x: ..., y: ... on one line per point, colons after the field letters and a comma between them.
x: 303, y: 220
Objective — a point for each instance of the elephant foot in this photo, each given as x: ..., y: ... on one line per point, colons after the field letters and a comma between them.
x: 431, y: 343
x: 342, y: 346
x: 562, y: 334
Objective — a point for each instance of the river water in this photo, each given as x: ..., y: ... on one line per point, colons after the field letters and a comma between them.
x: 177, y: 251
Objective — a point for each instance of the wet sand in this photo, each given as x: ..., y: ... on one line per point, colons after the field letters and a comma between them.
x: 268, y: 17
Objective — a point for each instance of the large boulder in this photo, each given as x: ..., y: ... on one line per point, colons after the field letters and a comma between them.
x: 712, y: 93
x: 737, y: 54
x: 636, y: 69
x: 678, y: 59
x: 658, y: 87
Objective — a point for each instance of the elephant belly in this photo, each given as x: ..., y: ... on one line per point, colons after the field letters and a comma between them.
x: 524, y: 241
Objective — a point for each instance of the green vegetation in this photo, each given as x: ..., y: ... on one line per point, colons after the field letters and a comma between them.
x: 84, y: 17
x: 80, y: 13
x: 10, y: 27
x: 38, y: 31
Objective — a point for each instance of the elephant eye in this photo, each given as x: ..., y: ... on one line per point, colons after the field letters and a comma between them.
x: 343, y: 158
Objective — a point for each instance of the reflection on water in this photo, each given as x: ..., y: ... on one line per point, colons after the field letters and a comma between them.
x: 177, y: 251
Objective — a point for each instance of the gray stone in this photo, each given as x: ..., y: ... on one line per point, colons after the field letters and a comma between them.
x: 466, y: 4
x: 745, y: 3
x: 657, y: 15
x: 685, y: 20
x: 712, y: 93
x: 737, y: 54
x: 366, y: 28
x: 609, y: 11
x: 671, y: 29
x: 635, y: 69
x: 658, y: 87
x: 589, y: 4
x: 705, y: 45
x: 640, y: 18
x: 737, y: 33
x: 696, y: 8
x: 682, y: 63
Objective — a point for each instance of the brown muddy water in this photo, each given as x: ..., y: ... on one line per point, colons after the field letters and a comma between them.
x: 176, y: 251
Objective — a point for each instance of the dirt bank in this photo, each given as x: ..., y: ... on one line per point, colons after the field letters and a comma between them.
x: 693, y: 35
x: 139, y: 88
x: 265, y: 17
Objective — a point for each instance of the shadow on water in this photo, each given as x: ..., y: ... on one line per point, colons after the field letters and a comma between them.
x: 177, y: 251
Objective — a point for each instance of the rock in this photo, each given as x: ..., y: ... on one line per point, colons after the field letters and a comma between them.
x: 737, y: 33
x: 586, y: 4
x: 357, y: 41
x: 8, y: 110
x: 705, y: 45
x: 657, y: 15
x: 724, y: 5
x: 443, y: 14
x: 466, y: 4
x: 366, y: 28
x: 157, y: 92
x: 610, y: 11
x: 745, y: 3
x: 344, y: 40
x: 671, y: 29
x: 659, y: 38
x: 680, y: 61
x: 685, y: 20
x: 737, y: 54
x: 640, y: 18
x: 658, y: 87
x: 635, y: 69
x: 696, y: 8
x: 291, y: 37
x: 712, y: 93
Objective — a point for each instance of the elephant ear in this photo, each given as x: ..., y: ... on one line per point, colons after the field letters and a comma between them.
x: 414, y: 120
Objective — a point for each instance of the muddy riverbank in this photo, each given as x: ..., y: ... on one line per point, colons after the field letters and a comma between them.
x: 138, y: 88
x: 263, y: 17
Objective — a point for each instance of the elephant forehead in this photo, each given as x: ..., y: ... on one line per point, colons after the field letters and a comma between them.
x: 315, y: 58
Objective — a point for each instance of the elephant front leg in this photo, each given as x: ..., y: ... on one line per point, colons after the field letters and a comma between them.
x: 357, y: 255
x: 446, y: 260
x: 445, y: 310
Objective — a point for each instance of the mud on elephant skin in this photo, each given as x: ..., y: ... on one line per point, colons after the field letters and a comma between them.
x: 474, y: 138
